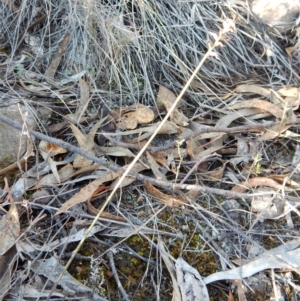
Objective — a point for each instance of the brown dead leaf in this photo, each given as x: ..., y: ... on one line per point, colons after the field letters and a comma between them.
x: 255, y: 89
x: 155, y: 167
x: 167, y: 128
x: 169, y: 200
x: 50, y: 72
x: 161, y: 158
x: 93, y: 211
x: 168, y: 98
x: 86, y: 143
x: 116, y: 151
x: 194, y: 194
x: 260, y: 104
x: 256, y: 182
x: 84, y: 98
x: 86, y: 192
x: 191, y: 146
x: 282, y: 179
x: 138, y: 167
x: 64, y: 173
x: 9, y: 225
x: 289, y: 50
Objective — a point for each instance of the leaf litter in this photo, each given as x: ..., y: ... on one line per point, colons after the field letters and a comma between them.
x: 175, y: 156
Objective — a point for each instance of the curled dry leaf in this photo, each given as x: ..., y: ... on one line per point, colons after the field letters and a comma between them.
x: 169, y: 200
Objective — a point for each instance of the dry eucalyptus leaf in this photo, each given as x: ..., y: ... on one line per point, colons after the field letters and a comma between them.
x: 86, y: 143
x: 64, y: 173
x: 171, y: 269
x: 168, y: 98
x: 169, y: 200
x: 50, y: 72
x: 138, y: 167
x: 84, y: 98
x: 254, y: 89
x: 190, y: 282
x: 86, y: 192
x: 286, y: 260
x: 256, y: 182
x: 52, y: 269
x: 116, y: 151
x: 155, y: 167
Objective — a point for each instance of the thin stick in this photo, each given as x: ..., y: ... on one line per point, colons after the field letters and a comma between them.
x: 115, y: 273
x: 116, y: 168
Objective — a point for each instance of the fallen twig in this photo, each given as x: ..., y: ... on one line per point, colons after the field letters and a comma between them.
x: 116, y: 168
x: 115, y: 273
